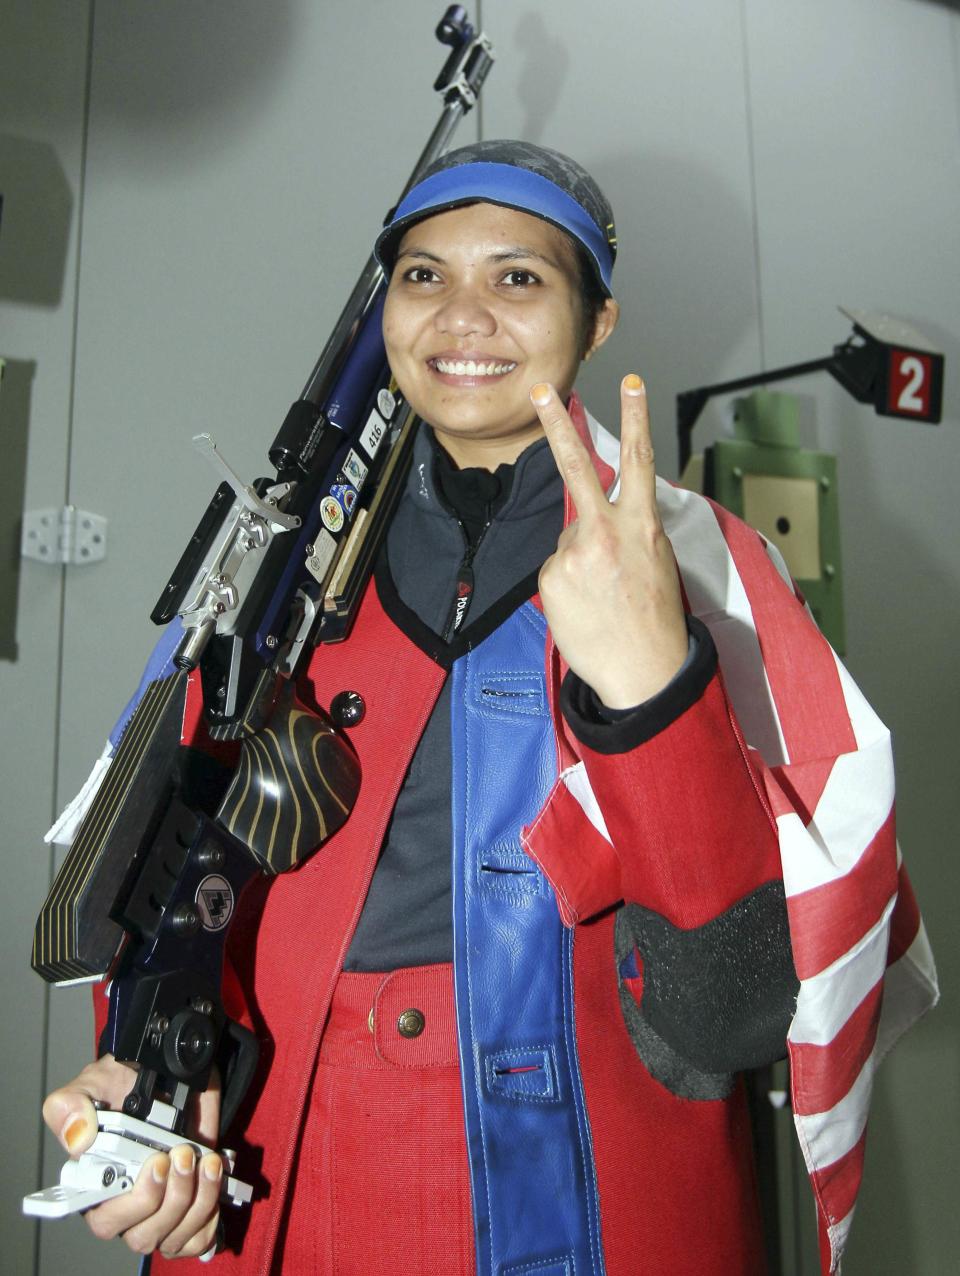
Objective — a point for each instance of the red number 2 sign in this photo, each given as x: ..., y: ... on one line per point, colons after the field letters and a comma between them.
x: 909, y: 383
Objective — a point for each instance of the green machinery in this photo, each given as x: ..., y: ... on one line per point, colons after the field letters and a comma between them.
x: 786, y: 492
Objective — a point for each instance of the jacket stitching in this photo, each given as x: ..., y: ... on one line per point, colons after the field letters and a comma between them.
x: 478, y: 1081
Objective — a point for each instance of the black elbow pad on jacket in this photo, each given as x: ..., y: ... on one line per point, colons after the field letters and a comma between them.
x: 716, y: 999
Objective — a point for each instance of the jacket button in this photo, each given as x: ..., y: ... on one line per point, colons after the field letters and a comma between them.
x: 348, y: 708
x: 411, y: 1023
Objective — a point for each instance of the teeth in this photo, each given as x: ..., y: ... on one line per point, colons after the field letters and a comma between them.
x: 470, y: 368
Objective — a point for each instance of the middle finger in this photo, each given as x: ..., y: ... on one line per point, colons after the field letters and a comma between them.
x: 638, y: 481
x: 196, y: 1223
x: 177, y: 1201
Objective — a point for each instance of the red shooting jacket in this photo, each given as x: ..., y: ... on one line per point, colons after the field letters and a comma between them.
x: 779, y: 769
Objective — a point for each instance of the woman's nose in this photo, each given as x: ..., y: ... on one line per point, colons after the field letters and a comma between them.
x: 465, y: 312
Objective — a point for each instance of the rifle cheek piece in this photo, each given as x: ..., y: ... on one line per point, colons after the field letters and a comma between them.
x: 283, y: 823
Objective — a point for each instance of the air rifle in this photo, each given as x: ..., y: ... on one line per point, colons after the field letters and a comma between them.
x: 148, y: 888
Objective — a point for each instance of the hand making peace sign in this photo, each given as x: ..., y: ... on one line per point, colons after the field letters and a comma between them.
x: 611, y: 593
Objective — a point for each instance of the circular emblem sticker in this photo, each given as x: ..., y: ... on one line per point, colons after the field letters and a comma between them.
x: 214, y: 899
x: 345, y: 494
x: 331, y: 512
x: 386, y: 403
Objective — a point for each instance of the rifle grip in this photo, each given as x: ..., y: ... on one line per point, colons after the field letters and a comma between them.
x: 239, y: 1056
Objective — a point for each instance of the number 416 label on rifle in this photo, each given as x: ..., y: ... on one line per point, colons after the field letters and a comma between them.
x: 373, y: 432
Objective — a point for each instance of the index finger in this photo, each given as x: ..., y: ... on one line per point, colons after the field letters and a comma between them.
x: 572, y: 458
x: 208, y: 1115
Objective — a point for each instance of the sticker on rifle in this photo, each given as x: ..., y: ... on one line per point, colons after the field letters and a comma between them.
x: 386, y: 403
x: 214, y: 899
x: 345, y: 494
x: 321, y: 558
x: 354, y: 470
x: 331, y: 513
x: 373, y: 433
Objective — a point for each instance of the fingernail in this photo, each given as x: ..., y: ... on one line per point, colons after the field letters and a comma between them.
x: 212, y: 1168
x: 633, y: 384
x: 74, y: 1132
x: 540, y: 394
x: 183, y: 1160
x: 160, y: 1169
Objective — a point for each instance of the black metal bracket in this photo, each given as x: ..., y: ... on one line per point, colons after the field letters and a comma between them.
x: 884, y: 362
x: 690, y: 403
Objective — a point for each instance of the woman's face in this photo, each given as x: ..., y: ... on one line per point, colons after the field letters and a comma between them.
x: 483, y: 303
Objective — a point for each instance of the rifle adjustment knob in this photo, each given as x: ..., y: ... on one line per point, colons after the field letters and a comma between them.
x: 185, y: 919
x: 189, y: 1045
x: 348, y: 708
x: 210, y: 856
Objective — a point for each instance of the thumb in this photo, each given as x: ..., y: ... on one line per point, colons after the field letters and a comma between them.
x: 71, y: 1116
x: 70, y: 1111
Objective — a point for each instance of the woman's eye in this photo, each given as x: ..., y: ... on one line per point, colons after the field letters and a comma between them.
x: 420, y: 275
x: 520, y: 278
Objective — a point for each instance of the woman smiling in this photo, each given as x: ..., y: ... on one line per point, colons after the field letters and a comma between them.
x: 531, y: 967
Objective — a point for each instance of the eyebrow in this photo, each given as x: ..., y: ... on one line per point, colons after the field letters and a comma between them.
x: 518, y: 253
x: 521, y: 253
x: 421, y: 253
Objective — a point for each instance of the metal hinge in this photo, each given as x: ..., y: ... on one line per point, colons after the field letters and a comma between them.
x: 65, y: 535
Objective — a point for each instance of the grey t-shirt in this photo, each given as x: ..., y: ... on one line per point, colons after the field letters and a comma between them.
x: 407, y: 916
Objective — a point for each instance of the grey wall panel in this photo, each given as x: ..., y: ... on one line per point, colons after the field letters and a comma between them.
x: 651, y: 98
x: 42, y: 79
x: 858, y: 194
x: 855, y: 136
x: 241, y: 158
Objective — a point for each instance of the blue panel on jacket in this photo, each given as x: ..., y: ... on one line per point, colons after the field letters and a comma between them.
x: 534, y: 1185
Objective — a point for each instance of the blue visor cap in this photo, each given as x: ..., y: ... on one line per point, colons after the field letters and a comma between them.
x: 497, y: 184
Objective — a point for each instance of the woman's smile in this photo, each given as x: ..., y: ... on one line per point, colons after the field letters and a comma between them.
x: 469, y: 368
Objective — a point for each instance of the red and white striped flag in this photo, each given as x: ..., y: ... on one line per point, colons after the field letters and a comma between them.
x: 859, y: 946
x: 861, y: 953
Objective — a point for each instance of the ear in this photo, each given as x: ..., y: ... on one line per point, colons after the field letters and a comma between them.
x: 604, y: 325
